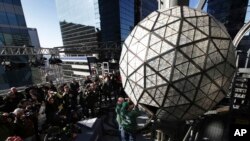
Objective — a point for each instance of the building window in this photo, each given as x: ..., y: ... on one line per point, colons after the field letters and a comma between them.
x: 1, y: 40
x: 8, y: 39
x: 3, y: 18
x: 12, y: 19
x: 21, y: 20
x: 9, y: 1
x: 17, y: 2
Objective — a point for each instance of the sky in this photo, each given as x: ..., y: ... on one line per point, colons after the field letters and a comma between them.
x: 193, y: 3
x: 41, y: 14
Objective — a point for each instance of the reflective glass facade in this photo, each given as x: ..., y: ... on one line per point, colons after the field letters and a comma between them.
x: 110, y: 20
x: 127, y: 14
x: 247, y: 18
x: 14, y: 32
x: 117, y: 22
x: 73, y: 34
x: 231, y: 13
x: 114, y: 18
x: 147, y: 7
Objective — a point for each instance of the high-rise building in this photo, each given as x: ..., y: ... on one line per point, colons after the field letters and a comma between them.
x: 114, y: 18
x: 13, y: 31
x: 14, y: 70
x: 78, y: 35
x: 146, y: 7
x: 234, y: 14
x: 78, y: 23
x: 231, y: 13
x: 34, y: 39
x: 117, y: 22
x: 101, y: 23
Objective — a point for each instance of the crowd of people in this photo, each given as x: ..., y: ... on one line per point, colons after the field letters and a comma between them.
x: 27, y: 114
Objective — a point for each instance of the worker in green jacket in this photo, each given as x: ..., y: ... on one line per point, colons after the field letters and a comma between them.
x: 118, y: 107
x: 129, y: 114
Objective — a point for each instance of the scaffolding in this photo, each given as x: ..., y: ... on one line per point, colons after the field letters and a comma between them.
x: 107, y: 50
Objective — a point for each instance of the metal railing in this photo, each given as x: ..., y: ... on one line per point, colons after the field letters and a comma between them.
x: 19, y: 50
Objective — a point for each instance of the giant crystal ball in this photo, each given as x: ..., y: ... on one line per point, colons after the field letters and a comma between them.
x: 179, y: 61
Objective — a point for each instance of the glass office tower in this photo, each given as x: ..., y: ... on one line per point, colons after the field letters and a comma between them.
x: 13, y: 31
x: 234, y: 14
x: 118, y: 17
x: 114, y: 18
x: 14, y: 70
x: 109, y: 20
x: 127, y: 16
x: 104, y: 21
x: 231, y: 13
x: 147, y: 7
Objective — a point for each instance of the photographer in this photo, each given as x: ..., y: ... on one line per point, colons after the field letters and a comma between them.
x: 87, y: 81
x: 74, y: 86
x: 91, y: 99
x: 69, y: 102
x: 23, y: 125
x: 31, y: 108
x: 11, y: 100
x: 34, y: 95
x: 106, y: 88
x: 6, y: 125
x: 51, y: 109
x: 69, y: 98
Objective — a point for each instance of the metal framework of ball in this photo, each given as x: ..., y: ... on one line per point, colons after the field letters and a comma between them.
x: 180, y: 61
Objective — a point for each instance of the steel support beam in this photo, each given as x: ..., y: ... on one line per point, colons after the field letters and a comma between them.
x: 241, y: 34
x: 20, y: 51
x: 201, y: 4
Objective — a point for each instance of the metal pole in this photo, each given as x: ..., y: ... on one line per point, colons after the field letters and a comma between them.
x: 248, y: 55
x: 196, y: 136
x: 201, y: 4
x: 188, y: 132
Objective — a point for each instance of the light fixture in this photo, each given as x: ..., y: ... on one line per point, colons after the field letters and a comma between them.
x: 113, y: 61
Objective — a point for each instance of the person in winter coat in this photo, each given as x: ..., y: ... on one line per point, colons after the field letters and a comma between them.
x: 118, y: 108
x: 129, y: 114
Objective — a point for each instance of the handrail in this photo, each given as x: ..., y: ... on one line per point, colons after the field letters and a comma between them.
x: 241, y: 34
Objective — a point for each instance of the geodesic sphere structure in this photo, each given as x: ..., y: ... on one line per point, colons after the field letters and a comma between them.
x: 178, y: 60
